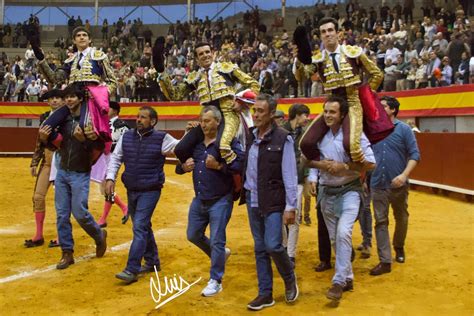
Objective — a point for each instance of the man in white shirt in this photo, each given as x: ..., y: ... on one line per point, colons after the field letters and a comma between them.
x: 33, y: 91
x: 340, y: 191
x: 29, y: 57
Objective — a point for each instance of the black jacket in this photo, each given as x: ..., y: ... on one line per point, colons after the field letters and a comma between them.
x: 76, y: 156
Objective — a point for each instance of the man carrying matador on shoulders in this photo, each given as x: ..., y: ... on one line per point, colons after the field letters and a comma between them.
x: 342, y: 69
x: 215, y: 83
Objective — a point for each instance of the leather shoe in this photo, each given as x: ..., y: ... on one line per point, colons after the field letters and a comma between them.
x: 365, y: 252
x: 291, y: 290
x: 323, y: 266
x: 381, y: 268
x: 66, y: 260
x: 349, y: 285
x: 335, y: 292
x: 399, y: 255
x: 30, y: 243
x: 307, y: 220
x: 102, y: 246
x: 127, y: 276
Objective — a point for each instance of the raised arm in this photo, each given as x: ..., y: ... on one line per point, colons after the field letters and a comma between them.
x: 245, y: 80
x: 175, y: 92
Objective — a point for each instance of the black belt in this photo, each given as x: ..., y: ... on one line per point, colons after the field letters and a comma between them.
x: 342, y: 185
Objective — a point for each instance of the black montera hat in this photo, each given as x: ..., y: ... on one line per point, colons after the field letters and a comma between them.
x: 114, y: 105
x: 51, y: 94
x: 301, y: 40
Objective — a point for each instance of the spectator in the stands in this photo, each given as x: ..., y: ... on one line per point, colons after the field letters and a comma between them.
x: 421, y: 76
x: 32, y: 91
x: 105, y: 30
x: 433, y: 68
x: 446, y: 73
x: 462, y: 73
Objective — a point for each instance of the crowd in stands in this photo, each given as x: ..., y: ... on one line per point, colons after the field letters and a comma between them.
x: 431, y: 52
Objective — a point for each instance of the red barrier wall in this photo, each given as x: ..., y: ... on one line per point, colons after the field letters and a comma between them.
x: 446, y: 158
x: 22, y: 139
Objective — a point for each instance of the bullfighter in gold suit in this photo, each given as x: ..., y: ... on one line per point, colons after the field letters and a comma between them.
x: 341, y: 69
x: 215, y: 83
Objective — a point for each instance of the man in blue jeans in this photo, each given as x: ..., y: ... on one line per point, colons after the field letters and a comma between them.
x: 142, y: 150
x: 270, y: 189
x: 213, y: 203
x: 73, y: 178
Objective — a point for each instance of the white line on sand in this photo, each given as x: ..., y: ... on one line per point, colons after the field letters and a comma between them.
x: 117, y: 248
x: 9, y: 231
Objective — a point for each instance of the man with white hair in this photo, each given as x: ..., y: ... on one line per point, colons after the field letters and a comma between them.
x: 213, y: 203
x: 441, y: 42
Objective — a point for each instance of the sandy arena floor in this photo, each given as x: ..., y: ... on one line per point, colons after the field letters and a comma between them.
x: 437, y: 278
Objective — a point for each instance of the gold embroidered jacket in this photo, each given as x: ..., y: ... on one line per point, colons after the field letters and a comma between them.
x: 218, y: 82
x: 95, y: 69
x: 352, y: 64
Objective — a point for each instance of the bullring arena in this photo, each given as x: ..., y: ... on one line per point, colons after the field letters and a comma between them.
x: 436, y: 279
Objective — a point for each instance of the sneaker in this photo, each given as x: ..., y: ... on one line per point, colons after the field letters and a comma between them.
x: 149, y: 268
x: 227, y: 254
x: 291, y: 290
x: 261, y: 302
x: 213, y: 287
x: 127, y: 276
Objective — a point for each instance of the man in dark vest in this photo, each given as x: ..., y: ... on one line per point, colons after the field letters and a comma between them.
x: 142, y: 150
x: 270, y: 188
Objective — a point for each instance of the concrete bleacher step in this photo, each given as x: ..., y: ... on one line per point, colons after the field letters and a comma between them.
x: 12, y: 51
